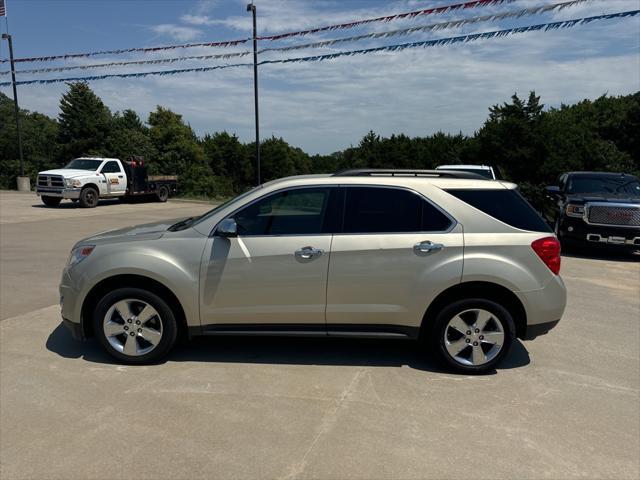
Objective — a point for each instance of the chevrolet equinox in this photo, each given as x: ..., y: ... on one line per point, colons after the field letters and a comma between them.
x: 461, y: 263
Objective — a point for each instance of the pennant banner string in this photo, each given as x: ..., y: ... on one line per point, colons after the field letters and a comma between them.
x: 231, y: 43
x: 434, y: 26
x: 389, y: 48
x: 389, y: 18
x: 391, y: 33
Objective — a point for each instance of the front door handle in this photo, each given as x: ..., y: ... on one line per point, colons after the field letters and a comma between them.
x: 427, y: 247
x: 308, y: 253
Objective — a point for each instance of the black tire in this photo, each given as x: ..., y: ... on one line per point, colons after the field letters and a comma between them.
x: 51, y: 201
x: 89, y: 197
x: 165, y: 316
x: 163, y: 194
x: 439, y: 328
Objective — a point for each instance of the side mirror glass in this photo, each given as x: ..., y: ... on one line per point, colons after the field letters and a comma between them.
x: 553, y: 190
x: 227, y: 228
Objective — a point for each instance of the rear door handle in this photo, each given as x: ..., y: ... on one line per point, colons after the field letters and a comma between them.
x: 308, y: 253
x: 120, y: 176
x: 427, y: 247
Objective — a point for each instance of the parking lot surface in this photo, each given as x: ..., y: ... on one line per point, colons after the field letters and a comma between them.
x: 566, y: 405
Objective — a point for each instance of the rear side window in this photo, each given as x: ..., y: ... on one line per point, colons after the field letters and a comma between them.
x: 508, y: 206
x: 390, y: 210
x: 111, y: 167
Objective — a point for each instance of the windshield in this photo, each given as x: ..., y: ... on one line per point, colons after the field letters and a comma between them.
x: 478, y: 171
x: 233, y: 200
x: 84, y: 164
x: 603, y: 185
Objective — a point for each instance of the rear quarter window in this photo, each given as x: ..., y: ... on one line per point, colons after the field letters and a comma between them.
x: 505, y: 205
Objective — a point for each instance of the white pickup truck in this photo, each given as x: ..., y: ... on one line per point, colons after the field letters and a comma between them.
x: 88, y: 179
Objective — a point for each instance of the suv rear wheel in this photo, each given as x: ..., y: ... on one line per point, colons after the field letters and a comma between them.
x: 473, y: 335
x: 135, y: 326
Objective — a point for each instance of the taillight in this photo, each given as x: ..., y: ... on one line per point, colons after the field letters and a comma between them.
x: 548, y: 249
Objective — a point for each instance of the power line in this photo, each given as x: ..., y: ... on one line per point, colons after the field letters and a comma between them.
x: 385, y: 34
x: 389, y: 48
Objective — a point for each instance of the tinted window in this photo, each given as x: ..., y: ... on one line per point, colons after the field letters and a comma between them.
x: 111, y: 167
x: 389, y: 210
x: 293, y: 212
x: 508, y: 206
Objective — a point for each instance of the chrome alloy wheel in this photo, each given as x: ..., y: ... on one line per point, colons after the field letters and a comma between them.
x: 132, y: 327
x: 474, y: 337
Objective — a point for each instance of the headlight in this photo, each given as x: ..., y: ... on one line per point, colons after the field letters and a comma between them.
x: 79, y: 253
x: 575, y: 210
x: 71, y: 182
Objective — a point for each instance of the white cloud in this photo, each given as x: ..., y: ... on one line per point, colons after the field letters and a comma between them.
x: 177, y: 32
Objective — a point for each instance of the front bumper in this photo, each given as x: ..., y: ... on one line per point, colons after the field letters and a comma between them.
x: 75, y: 329
x: 576, y: 231
x: 72, y: 193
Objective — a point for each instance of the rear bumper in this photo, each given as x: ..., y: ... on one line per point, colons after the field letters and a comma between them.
x: 534, y: 331
x: 74, y: 328
x: 72, y: 193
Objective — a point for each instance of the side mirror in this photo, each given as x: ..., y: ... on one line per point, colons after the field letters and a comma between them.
x: 553, y: 190
x: 227, y: 228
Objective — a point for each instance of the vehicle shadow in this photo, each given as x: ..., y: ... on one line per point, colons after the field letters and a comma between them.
x: 283, y: 351
x: 67, y: 205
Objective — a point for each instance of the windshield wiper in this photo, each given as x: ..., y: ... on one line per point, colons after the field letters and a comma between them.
x: 182, y: 224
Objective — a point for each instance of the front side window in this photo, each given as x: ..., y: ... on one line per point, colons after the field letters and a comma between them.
x: 111, y: 167
x: 293, y: 212
x: 390, y: 210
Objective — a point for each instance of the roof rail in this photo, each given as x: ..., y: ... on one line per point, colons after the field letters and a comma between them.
x: 371, y: 172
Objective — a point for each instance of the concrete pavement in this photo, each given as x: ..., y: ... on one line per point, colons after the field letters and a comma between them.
x: 566, y: 405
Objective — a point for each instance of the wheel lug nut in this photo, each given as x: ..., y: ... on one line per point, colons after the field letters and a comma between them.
x: 475, y: 344
x: 137, y: 322
x: 477, y: 330
x: 129, y: 321
x: 126, y: 328
x: 468, y: 341
x: 468, y: 332
x: 139, y: 330
x: 481, y: 337
x: 132, y: 334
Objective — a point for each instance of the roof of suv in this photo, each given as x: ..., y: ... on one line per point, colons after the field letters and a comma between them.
x: 398, y: 180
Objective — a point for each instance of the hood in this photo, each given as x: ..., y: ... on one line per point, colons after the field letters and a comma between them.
x: 603, y: 197
x: 148, y: 231
x: 69, y: 173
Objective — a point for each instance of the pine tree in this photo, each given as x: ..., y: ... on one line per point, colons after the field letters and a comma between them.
x: 85, y: 123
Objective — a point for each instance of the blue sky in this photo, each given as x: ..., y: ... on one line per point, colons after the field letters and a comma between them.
x: 326, y: 106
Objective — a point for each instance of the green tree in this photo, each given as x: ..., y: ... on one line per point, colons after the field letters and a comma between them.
x: 84, y: 123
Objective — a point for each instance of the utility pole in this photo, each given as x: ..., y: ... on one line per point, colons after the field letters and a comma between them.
x: 6, y: 36
x: 252, y: 8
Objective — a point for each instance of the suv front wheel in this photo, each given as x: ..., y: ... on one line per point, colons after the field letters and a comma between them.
x: 473, y: 335
x: 135, y: 326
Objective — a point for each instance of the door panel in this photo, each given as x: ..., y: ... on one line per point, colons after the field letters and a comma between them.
x: 260, y: 280
x: 381, y: 280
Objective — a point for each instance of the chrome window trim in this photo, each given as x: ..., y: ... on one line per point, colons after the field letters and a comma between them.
x: 452, y: 225
x: 588, y: 205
